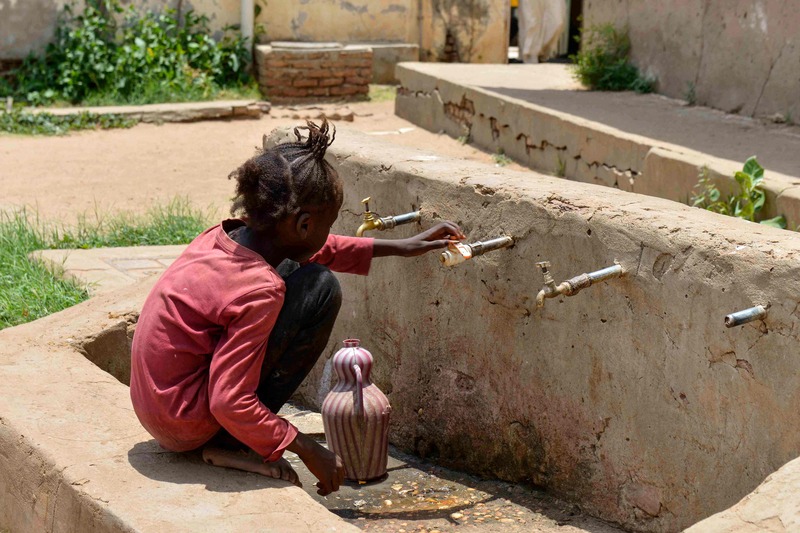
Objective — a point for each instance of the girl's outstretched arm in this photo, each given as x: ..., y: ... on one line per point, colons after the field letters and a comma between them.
x: 434, y: 238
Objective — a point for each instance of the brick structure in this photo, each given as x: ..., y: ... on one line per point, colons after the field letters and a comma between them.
x: 303, y: 72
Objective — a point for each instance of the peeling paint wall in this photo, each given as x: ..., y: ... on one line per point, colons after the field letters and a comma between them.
x: 446, y: 30
x: 340, y: 20
x: 741, y: 56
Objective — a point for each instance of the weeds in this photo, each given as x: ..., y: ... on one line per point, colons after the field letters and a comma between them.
x: 561, y: 169
x: 500, y: 159
x: 382, y: 93
x: 602, y: 64
x: 150, y: 57
x: 29, y: 290
x: 747, y: 203
x: 22, y: 122
x: 463, y: 139
x: 691, y: 94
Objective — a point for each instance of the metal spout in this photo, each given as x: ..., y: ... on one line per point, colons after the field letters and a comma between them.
x: 574, y: 285
x: 459, y: 252
x: 738, y: 318
x: 373, y: 221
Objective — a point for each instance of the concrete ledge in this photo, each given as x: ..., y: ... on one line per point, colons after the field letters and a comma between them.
x: 630, y: 398
x: 774, y: 506
x: 105, y: 270
x: 182, y: 112
x: 73, y: 456
x: 487, y: 107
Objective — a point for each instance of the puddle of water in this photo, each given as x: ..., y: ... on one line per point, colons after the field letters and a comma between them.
x: 420, y: 496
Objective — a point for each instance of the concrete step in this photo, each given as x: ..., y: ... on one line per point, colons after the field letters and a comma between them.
x: 180, y: 112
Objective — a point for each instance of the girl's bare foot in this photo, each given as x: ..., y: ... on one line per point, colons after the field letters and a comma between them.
x: 280, y: 469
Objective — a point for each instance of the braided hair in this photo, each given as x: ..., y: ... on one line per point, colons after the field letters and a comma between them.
x: 279, y: 181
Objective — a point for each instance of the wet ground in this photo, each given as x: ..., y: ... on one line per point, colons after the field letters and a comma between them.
x: 419, y: 496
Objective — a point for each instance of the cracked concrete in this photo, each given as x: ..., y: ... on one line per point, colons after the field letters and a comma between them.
x: 73, y: 456
x: 627, y: 359
x: 540, y: 117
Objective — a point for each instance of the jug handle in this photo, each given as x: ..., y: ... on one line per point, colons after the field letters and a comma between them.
x: 359, y: 391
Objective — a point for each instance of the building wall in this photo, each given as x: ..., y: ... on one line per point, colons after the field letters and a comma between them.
x: 741, y: 56
x: 457, y: 30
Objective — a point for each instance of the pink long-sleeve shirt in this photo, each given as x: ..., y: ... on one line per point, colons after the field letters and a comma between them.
x: 202, y: 336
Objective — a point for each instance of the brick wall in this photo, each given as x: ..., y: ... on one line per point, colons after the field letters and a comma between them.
x: 288, y: 75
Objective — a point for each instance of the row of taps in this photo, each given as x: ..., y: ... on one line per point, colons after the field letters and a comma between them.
x: 459, y: 252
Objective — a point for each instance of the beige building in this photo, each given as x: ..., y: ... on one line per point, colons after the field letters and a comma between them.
x: 445, y: 30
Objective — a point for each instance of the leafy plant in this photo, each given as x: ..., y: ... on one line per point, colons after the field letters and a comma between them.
x: 150, y: 57
x: 500, y: 159
x: 381, y: 93
x: 602, y: 63
x: 747, y: 203
x: 691, y: 93
x: 22, y: 122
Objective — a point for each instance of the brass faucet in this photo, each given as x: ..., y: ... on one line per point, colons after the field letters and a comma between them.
x: 550, y: 289
x: 373, y: 221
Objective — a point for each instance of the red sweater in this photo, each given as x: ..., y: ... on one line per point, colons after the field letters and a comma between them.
x: 201, y: 339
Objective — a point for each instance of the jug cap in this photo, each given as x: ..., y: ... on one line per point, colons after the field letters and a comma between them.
x: 352, y: 343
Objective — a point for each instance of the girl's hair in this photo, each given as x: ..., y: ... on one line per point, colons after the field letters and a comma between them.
x: 280, y: 181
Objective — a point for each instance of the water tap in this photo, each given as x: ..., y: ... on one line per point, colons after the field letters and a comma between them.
x: 373, y: 221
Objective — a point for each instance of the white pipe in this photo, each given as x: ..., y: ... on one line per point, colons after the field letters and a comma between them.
x: 247, y: 24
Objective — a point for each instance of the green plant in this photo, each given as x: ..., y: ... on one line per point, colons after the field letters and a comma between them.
x: 500, y: 159
x: 21, y: 122
x: 382, y: 93
x: 150, y: 57
x: 28, y: 290
x: 602, y: 63
x: 747, y: 203
x: 463, y: 139
x: 691, y: 93
x: 561, y: 169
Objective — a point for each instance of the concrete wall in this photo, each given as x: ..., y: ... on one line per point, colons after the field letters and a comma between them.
x: 478, y: 28
x: 630, y: 398
x: 740, y: 56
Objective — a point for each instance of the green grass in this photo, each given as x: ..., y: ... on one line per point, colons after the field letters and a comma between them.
x: 21, y: 122
x: 382, y: 93
x: 29, y: 290
x: 157, y: 93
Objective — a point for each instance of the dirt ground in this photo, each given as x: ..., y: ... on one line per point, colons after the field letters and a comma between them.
x: 130, y: 170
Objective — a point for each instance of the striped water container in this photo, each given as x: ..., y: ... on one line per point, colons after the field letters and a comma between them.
x: 356, y: 415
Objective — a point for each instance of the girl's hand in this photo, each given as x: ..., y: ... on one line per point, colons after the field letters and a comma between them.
x: 434, y: 238
x: 326, y: 466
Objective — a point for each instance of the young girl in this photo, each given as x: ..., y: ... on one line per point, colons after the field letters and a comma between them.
x: 238, y: 320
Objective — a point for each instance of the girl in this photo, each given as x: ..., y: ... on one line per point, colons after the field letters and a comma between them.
x: 238, y: 320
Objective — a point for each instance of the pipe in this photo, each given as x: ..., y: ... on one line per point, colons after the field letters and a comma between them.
x: 399, y: 220
x: 573, y: 286
x: 247, y: 22
x: 459, y: 252
x: 748, y: 315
